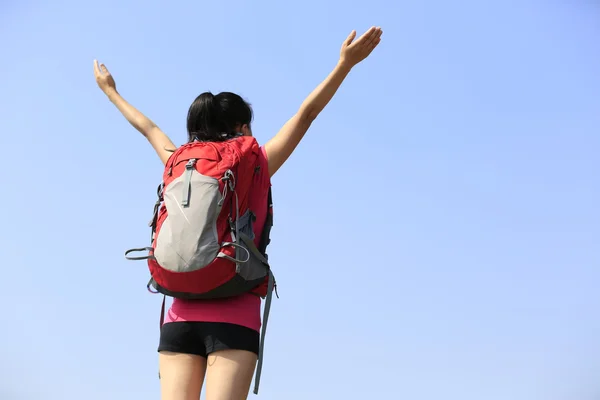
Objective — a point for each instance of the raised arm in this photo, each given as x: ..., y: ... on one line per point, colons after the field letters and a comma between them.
x: 281, y: 146
x: 157, y: 138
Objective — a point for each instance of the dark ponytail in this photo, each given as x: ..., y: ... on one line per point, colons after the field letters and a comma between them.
x: 217, y: 118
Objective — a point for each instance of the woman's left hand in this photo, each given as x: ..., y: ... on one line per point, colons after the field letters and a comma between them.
x: 103, y: 78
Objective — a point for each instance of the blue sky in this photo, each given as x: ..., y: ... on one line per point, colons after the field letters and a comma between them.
x: 436, y: 232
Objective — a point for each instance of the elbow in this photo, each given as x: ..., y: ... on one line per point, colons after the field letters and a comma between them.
x: 311, y: 117
x: 309, y: 114
x: 147, y: 130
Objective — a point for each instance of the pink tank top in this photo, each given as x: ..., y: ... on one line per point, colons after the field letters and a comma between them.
x: 242, y: 310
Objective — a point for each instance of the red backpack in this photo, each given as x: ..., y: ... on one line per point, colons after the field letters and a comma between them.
x: 203, y: 241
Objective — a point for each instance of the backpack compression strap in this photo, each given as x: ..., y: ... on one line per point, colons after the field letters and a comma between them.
x: 261, y: 348
x: 261, y: 254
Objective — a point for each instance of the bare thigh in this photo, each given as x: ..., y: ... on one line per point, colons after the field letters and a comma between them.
x: 181, y: 375
x: 229, y: 374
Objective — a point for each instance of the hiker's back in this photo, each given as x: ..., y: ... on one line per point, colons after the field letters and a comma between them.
x: 244, y: 309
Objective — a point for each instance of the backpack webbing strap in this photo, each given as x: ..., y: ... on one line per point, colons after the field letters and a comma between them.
x: 266, y: 232
x: 251, y: 248
x: 270, y: 287
x: 162, y: 312
x: 187, y: 183
x: 162, y: 320
x: 261, y: 254
x: 138, y: 250
x: 261, y: 348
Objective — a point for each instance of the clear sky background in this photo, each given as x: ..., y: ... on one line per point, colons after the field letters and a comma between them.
x: 437, y: 231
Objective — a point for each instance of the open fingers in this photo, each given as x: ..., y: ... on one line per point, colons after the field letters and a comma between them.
x: 374, y: 43
x: 366, y: 37
x: 375, y: 39
x: 96, y: 68
x: 374, y: 36
x: 100, y: 69
x: 350, y: 38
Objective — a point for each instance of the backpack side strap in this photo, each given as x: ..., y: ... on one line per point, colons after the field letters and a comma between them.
x: 261, y: 348
x: 138, y: 250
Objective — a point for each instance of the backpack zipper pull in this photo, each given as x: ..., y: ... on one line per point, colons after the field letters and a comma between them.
x: 190, y: 164
x: 187, y: 182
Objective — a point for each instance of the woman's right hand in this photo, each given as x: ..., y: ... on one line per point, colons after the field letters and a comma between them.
x: 354, y: 51
x: 104, y: 79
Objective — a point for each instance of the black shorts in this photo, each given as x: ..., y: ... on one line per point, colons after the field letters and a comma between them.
x: 204, y: 338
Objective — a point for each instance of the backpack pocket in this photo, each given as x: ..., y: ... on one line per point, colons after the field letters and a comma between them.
x: 188, y: 239
x: 256, y: 267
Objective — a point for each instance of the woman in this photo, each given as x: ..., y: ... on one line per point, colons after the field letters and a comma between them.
x: 217, y: 341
